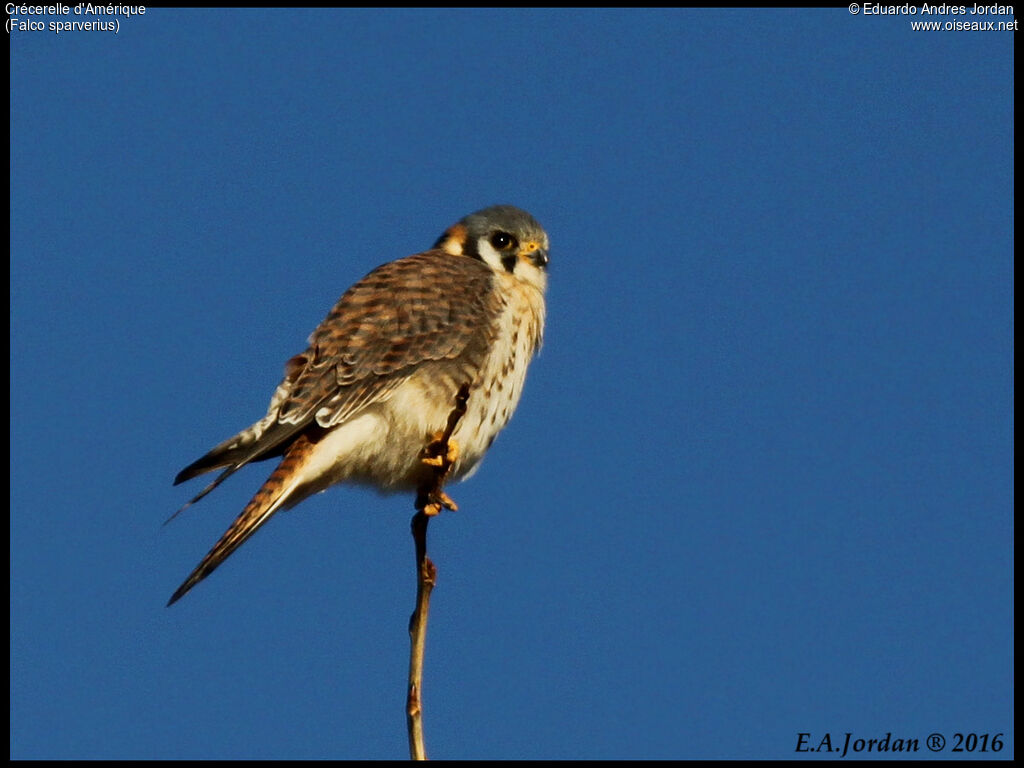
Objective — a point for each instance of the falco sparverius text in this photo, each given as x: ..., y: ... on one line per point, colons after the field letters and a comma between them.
x: 382, y: 371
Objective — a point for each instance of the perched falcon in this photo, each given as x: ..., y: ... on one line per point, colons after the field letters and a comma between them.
x: 383, y: 370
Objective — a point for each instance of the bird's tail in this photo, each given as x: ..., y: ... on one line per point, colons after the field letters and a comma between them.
x: 281, y: 484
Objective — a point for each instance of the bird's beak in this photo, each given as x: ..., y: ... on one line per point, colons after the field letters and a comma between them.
x: 533, y: 253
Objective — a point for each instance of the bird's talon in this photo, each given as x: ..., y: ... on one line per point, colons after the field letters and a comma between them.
x: 432, y: 453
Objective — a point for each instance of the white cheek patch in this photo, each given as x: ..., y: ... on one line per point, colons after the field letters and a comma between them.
x: 489, y: 254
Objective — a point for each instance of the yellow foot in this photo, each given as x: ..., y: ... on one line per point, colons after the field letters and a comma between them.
x: 446, y: 501
x: 438, y: 501
x: 440, y: 454
x: 432, y: 457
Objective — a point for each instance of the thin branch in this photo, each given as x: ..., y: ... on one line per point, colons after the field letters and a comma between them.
x: 426, y: 577
x: 430, y: 499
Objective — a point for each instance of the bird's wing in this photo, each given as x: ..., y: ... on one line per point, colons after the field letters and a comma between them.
x: 262, y: 440
x: 427, y: 307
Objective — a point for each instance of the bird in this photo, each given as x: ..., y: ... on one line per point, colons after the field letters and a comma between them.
x: 384, y: 370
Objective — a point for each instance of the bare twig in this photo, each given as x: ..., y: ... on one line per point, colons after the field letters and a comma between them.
x: 430, y: 499
x: 426, y: 575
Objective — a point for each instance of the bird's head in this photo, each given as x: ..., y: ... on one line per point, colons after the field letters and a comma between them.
x: 504, y: 237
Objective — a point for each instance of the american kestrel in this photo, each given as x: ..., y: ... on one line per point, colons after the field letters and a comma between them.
x: 383, y: 370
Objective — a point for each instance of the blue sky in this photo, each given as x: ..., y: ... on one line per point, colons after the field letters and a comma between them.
x: 759, y: 483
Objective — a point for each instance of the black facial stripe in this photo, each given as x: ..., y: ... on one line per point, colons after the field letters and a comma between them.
x: 509, y: 261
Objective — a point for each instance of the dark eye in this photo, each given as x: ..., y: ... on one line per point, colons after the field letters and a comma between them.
x: 503, y: 241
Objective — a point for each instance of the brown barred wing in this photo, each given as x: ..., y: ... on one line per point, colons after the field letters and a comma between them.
x: 429, y: 307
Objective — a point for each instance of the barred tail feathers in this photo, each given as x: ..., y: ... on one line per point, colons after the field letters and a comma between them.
x: 277, y: 489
